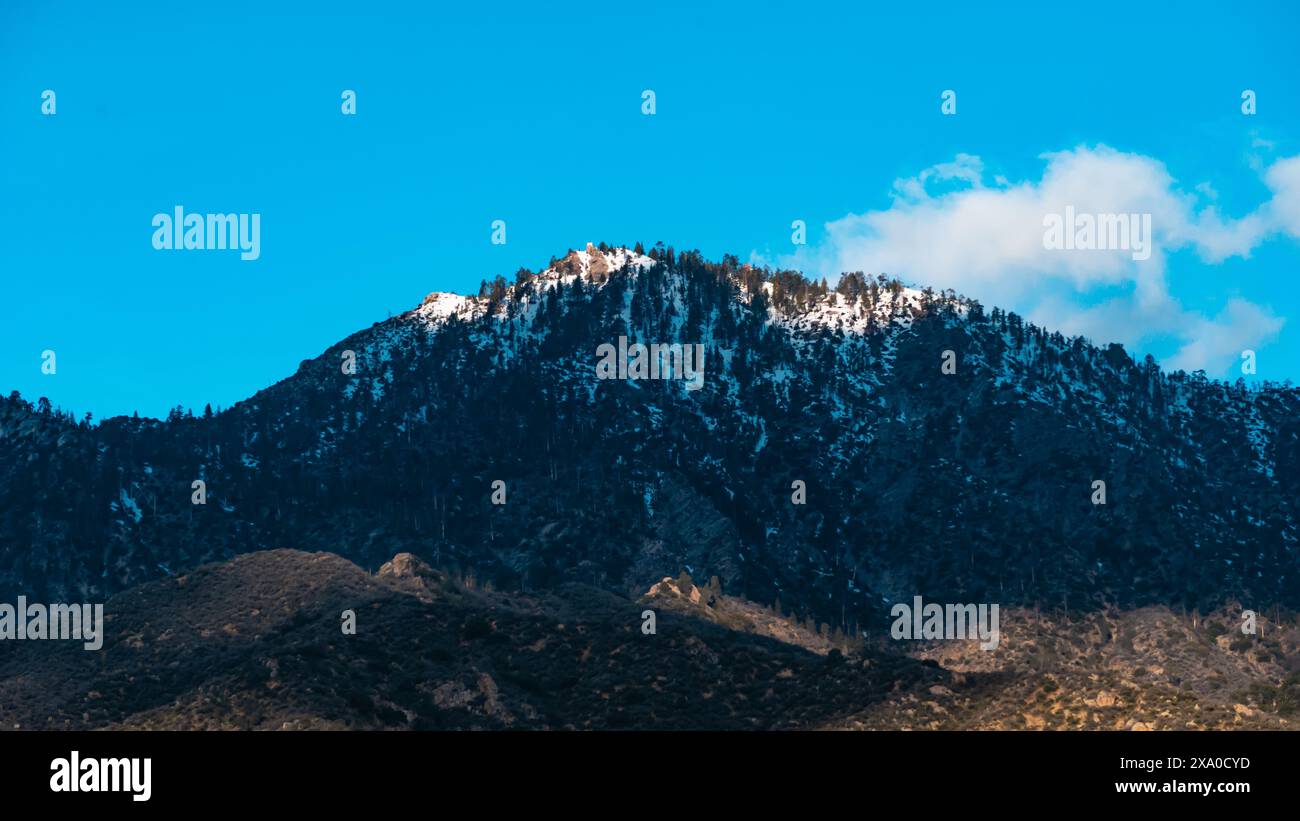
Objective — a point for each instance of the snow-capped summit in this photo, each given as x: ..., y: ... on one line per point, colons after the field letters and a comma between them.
x: 440, y: 305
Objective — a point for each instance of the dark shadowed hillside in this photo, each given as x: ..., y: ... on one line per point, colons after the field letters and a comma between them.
x: 257, y: 643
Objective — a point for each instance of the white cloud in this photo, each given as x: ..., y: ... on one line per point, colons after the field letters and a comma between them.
x: 1239, y: 326
x: 987, y: 241
x: 1283, y: 179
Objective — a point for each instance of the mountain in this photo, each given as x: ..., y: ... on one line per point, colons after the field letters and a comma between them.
x: 970, y: 486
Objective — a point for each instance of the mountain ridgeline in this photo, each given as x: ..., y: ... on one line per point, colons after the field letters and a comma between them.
x: 970, y: 485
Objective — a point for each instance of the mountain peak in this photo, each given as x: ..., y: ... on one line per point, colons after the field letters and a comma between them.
x: 591, y: 264
x: 595, y: 264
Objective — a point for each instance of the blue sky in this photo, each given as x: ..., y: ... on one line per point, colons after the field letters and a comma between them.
x: 766, y: 113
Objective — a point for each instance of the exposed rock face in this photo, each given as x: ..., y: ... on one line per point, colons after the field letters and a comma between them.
x: 405, y: 566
